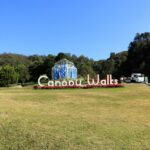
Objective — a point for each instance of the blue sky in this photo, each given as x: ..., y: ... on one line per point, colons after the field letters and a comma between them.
x: 93, y: 28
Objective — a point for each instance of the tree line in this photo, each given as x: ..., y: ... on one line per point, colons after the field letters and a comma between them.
x: 15, y: 68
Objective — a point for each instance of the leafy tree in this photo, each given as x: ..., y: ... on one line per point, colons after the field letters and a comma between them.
x: 48, y: 64
x: 13, y: 59
x: 8, y: 75
x: 23, y: 73
x: 36, y: 58
x: 36, y: 69
x: 84, y: 66
x: 60, y: 56
x: 113, y: 65
x: 139, y: 54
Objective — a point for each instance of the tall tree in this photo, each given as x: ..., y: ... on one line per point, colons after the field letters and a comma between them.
x: 8, y: 75
x: 48, y: 64
x: 139, y: 54
x: 60, y: 56
x: 23, y: 73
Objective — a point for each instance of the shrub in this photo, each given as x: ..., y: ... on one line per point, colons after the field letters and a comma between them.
x: 76, y: 87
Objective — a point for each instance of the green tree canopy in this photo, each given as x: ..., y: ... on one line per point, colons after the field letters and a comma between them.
x: 8, y: 75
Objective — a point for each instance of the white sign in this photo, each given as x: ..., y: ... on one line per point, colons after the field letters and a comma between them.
x: 108, y: 81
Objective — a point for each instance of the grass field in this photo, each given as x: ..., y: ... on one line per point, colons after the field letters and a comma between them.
x: 77, y: 119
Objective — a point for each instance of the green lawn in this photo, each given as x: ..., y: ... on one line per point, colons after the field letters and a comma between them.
x: 81, y: 119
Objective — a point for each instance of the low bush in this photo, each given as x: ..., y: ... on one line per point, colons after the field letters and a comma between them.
x: 81, y: 87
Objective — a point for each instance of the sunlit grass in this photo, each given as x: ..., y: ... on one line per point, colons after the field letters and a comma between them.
x: 89, y: 119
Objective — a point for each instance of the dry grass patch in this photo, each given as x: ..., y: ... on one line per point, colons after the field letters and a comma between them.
x: 86, y: 119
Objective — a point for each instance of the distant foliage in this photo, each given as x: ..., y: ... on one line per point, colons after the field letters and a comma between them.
x: 23, y: 73
x: 8, y: 75
x: 13, y: 59
x: 139, y: 54
x: 16, y: 68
